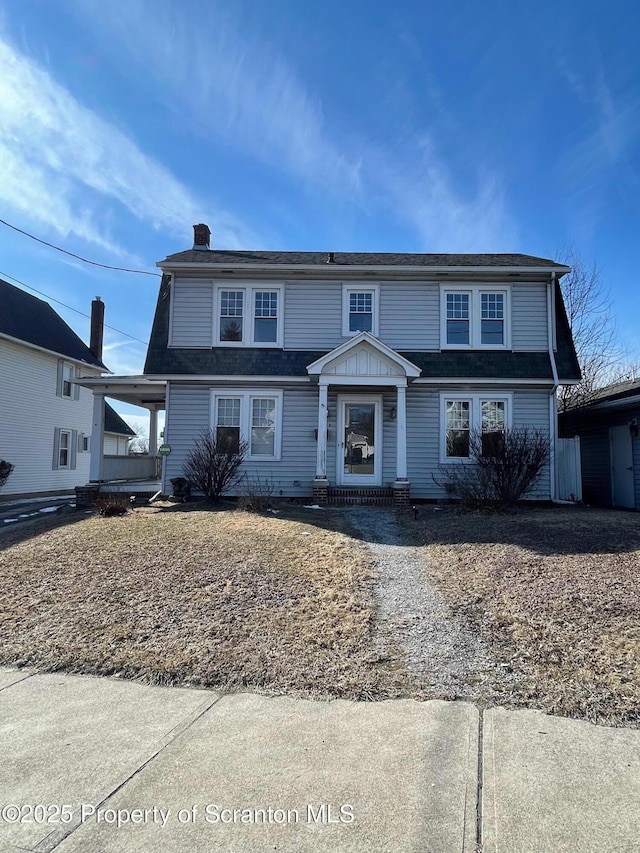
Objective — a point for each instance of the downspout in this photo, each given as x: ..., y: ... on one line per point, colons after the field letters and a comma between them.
x: 553, y: 409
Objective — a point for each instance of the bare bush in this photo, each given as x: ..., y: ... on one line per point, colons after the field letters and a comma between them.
x: 257, y: 493
x: 5, y: 470
x: 503, y: 467
x: 213, y: 464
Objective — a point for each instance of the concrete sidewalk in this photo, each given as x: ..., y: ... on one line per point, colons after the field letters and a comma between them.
x: 190, y: 770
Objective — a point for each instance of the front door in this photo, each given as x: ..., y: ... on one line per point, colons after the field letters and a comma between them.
x: 359, y: 441
x: 622, y: 467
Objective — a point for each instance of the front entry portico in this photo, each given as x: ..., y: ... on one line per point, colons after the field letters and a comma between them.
x: 367, y: 364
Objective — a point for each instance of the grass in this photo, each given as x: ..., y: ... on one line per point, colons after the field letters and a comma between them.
x: 191, y: 596
x: 556, y: 593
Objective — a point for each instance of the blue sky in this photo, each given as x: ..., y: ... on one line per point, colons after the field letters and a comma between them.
x: 443, y: 127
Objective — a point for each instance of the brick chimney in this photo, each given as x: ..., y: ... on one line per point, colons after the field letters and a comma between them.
x: 201, y: 236
x: 97, y: 327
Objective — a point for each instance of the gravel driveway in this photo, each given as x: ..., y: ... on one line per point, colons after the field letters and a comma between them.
x: 438, y: 647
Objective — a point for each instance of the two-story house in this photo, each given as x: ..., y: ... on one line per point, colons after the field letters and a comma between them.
x: 45, y: 416
x: 356, y: 371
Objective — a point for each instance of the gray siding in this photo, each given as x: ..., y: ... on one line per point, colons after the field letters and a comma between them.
x: 191, y: 313
x: 531, y: 409
x: 529, y: 316
x: 189, y: 412
x: 410, y: 315
x: 313, y: 315
x: 636, y: 467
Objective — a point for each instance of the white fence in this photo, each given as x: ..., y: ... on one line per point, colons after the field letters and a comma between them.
x: 568, y: 469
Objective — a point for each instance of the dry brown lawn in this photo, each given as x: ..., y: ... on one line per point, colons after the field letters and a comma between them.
x: 556, y: 593
x: 201, y: 597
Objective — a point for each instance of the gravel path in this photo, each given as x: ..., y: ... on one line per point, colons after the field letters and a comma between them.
x: 414, y: 620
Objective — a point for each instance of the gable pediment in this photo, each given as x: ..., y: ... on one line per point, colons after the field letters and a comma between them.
x: 363, y: 356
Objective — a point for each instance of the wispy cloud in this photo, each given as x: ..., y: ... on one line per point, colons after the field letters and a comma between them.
x: 61, y: 163
x: 227, y: 80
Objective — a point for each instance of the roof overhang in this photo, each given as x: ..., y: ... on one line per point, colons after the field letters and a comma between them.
x: 135, y: 390
x: 341, y: 270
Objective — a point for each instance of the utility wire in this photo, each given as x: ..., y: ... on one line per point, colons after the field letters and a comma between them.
x: 64, y: 304
x: 78, y: 257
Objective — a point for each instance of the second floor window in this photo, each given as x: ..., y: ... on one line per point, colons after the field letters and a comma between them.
x: 250, y: 316
x: 359, y: 310
x: 475, y: 317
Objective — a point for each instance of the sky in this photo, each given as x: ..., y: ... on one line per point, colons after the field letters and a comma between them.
x: 337, y: 126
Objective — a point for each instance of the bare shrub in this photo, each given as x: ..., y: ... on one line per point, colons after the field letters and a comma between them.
x: 5, y: 470
x: 213, y: 464
x: 503, y: 467
x: 111, y: 508
x: 257, y: 493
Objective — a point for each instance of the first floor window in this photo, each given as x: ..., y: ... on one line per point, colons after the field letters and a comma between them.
x: 474, y: 425
x: 263, y: 417
x: 253, y: 417
x: 457, y: 429
x: 228, y: 423
x: 493, y: 418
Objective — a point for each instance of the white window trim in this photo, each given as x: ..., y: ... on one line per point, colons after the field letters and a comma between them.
x: 475, y: 418
x: 246, y: 396
x: 348, y: 289
x: 68, y: 433
x: 249, y: 289
x: 60, y: 380
x: 475, y: 292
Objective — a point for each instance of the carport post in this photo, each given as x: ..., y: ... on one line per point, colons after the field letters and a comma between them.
x: 97, y: 439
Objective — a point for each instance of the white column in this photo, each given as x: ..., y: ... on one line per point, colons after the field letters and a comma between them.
x: 153, y: 431
x: 97, y: 439
x: 401, y: 433
x: 321, y: 464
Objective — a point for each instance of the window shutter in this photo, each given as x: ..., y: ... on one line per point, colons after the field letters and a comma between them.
x: 56, y: 447
x: 74, y: 448
x: 76, y: 388
x: 59, y: 379
x: 80, y: 442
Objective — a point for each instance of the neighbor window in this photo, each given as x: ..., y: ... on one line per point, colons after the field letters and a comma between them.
x: 65, y: 381
x: 475, y: 317
x: 482, y: 415
x: 251, y: 416
x: 249, y: 316
x: 63, y: 453
x: 359, y: 310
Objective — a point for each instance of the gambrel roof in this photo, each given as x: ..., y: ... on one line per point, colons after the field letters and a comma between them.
x: 31, y: 320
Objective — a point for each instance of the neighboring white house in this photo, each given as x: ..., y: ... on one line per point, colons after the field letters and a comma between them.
x: 117, y: 433
x: 45, y: 418
x: 350, y: 372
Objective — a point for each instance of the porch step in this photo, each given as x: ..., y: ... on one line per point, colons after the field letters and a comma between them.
x: 363, y: 496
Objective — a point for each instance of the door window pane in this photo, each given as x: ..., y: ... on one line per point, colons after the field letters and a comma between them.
x: 263, y: 420
x: 359, y: 438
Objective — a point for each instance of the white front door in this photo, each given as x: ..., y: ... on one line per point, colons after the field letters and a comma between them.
x: 622, y: 467
x: 359, y: 461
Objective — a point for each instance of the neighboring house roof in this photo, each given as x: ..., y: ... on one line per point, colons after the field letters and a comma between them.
x: 228, y: 361
x: 114, y: 423
x: 34, y: 321
x: 400, y: 259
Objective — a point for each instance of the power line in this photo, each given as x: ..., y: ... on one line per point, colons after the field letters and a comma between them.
x: 64, y: 304
x: 78, y: 257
